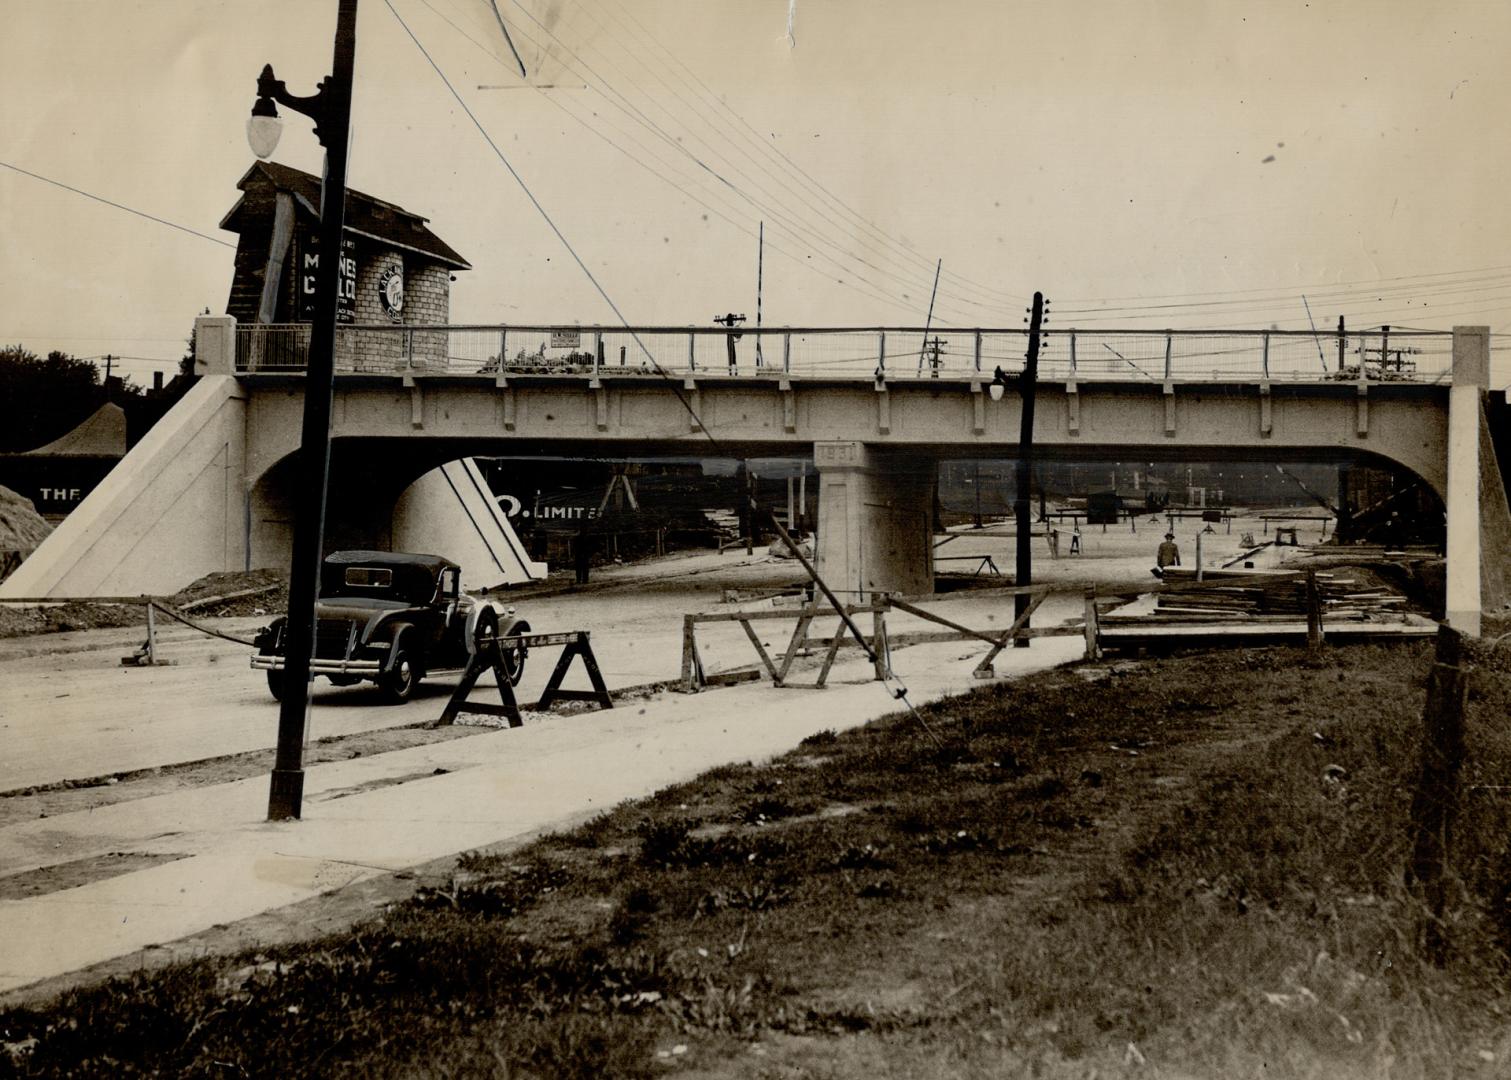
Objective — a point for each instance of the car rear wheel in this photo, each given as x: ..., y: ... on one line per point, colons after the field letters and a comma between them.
x: 399, y: 685
x: 275, y: 685
x: 514, y: 655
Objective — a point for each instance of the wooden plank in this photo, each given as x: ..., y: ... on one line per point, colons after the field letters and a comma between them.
x: 902, y: 605
x: 755, y: 639
x: 983, y: 670
x: 758, y: 616
x: 794, y: 645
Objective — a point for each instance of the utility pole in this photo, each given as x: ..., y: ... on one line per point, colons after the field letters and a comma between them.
x: 1027, y: 383
x: 1391, y: 360
x: 1342, y: 341
x: 760, y: 260
x: 730, y: 320
x: 929, y: 319
x: 331, y: 110
x: 933, y: 349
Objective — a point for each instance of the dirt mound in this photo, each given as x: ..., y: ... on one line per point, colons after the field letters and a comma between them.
x: 71, y: 615
x: 246, y: 592
x: 21, y: 527
x: 253, y: 592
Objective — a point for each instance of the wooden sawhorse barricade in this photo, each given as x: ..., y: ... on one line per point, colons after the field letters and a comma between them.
x: 881, y: 641
x: 490, y: 655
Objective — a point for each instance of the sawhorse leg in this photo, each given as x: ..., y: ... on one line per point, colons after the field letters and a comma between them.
x: 485, y: 658
x: 553, y: 691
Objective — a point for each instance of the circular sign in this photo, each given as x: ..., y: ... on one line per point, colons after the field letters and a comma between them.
x: 391, y: 293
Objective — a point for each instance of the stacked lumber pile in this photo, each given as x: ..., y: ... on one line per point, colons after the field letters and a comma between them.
x: 1278, y: 596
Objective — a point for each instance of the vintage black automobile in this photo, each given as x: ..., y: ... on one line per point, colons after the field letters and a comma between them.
x: 392, y: 619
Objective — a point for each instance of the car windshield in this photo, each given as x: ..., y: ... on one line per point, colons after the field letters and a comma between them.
x: 407, y: 584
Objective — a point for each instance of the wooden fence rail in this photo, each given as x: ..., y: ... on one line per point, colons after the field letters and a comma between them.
x: 779, y: 667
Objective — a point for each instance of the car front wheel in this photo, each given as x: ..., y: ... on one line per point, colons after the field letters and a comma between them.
x: 275, y: 685
x: 399, y: 685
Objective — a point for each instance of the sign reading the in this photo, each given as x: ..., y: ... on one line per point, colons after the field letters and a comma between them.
x: 565, y: 339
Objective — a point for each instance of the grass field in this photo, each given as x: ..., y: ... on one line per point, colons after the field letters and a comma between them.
x: 1179, y: 867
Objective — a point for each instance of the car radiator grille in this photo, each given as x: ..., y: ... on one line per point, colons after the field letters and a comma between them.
x: 331, y: 638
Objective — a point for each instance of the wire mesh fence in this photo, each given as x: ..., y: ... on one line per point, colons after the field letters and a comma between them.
x: 892, y: 353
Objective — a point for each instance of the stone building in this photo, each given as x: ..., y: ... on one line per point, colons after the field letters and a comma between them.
x: 394, y: 272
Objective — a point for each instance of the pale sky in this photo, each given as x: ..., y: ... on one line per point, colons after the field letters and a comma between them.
x: 1144, y: 164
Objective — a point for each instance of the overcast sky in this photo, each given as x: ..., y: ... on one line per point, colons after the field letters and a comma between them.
x: 1144, y: 164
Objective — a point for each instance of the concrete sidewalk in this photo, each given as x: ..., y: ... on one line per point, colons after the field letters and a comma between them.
x: 220, y: 861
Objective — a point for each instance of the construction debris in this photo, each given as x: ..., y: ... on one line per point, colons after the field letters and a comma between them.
x: 1351, y: 594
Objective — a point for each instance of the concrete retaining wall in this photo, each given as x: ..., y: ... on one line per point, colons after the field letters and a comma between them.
x: 450, y: 511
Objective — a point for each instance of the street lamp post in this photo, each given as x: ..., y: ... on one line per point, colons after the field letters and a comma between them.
x: 330, y: 108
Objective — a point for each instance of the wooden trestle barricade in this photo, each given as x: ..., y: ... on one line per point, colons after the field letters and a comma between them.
x: 490, y: 656
x: 778, y: 668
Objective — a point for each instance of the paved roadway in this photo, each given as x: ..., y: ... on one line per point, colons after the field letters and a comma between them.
x: 218, y: 861
x: 69, y: 710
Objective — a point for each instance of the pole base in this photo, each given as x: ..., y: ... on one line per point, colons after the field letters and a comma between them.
x: 286, y: 794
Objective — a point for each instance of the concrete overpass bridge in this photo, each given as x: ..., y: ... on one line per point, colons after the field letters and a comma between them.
x: 875, y: 408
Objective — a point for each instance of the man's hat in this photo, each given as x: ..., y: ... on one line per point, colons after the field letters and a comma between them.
x: 1169, y: 536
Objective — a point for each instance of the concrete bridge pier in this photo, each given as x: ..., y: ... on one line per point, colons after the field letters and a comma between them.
x: 875, y: 519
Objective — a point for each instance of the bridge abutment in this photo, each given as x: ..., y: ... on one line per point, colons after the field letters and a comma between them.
x: 875, y: 519
x: 1465, y: 573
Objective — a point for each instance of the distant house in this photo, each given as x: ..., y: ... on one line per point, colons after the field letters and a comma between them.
x: 394, y: 270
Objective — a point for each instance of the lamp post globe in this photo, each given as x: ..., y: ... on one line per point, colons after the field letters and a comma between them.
x: 263, y: 129
x: 263, y: 133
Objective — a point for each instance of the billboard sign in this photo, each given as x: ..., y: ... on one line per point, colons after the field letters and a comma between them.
x: 308, y: 280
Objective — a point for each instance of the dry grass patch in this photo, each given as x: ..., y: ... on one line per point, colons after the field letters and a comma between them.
x: 1186, y: 867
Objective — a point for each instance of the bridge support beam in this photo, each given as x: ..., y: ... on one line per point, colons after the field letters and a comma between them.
x: 1471, y: 378
x: 875, y: 519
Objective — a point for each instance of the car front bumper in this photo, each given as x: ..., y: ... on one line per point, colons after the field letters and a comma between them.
x: 323, y: 667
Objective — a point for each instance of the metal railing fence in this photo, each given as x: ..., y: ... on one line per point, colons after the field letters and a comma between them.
x: 892, y: 353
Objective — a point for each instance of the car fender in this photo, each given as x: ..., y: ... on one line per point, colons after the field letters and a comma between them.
x: 510, y: 626
x: 404, y: 635
x: 469, y: 632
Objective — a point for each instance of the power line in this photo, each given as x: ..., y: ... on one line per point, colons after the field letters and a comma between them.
x: 868, y: 291
x: 116, y: 205
x: 637, y: 115
x: 1399, y: 291
x: 605, y: 87
x: 754, y: 136
x: 724, y: 131
x: 1312, y: 288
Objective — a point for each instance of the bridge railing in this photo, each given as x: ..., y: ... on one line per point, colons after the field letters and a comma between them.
x: 895, y: 353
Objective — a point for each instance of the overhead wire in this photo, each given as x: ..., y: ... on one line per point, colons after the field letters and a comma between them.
x: 865, y: 289
x: 605, y: 87
x: 1464, y: 285
x: 723, y: 131
x: 1287, y: 291
x: 116, y: 205
x: 900, y: 693
x: 794, y: 227
x: 997, y: 295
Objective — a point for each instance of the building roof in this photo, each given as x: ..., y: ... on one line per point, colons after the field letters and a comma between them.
x: 365, y: 216
x: 103, y: 434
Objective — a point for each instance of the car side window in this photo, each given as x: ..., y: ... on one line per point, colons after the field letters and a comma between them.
x: 449, y: 580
